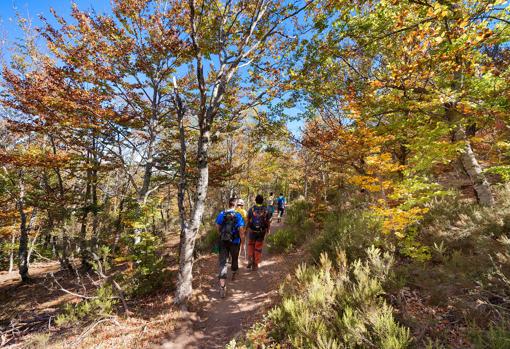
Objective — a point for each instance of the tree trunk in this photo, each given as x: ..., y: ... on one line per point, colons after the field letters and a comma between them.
x: 34, y: 240
x: 53, y: 246
x: 474, y: 171
x: 83, y: 243
x: 189, y: 229
x: 93, y: 247
x: 11, y: 254
x: 23, y: 239
x: 305, y: 187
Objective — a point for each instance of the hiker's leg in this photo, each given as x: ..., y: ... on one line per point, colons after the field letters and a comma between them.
x: 251, y: 250
x: 259, y: 244
x: 224, y: 252
x: 234, y: 251
x: 245, y: 247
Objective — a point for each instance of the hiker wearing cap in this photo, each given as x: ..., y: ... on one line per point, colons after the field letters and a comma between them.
x: 229, y: 223
x: 258, y: 225
x: 240, y: 209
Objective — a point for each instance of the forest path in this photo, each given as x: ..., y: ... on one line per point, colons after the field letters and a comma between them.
x: 218, y: 320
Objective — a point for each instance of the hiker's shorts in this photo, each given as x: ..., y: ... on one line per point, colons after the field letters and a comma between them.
x: 228, y: 248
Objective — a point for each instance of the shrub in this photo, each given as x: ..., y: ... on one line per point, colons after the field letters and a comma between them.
x: 298, y: 214
x: 149, y: 272
x: 466, y: 226
x: 298, y: 227
x: 349, y: 231
x: 284, y: 240
x: 101, y: 305
x: 334, y: 307
x: 496, y: 336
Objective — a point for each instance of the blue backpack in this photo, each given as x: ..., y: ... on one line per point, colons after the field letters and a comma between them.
x: 281, y: 202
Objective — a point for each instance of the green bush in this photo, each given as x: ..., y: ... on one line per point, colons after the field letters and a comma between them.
x: 149, y: 272
x: 349, y: 231
x: 298, y: 228
x: 298, y: 214
x: 334, y: 305
x: 103, y: 304
x: 284, y: 240
x: 496, y: 336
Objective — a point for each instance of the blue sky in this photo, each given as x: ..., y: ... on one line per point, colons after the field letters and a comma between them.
x: 33, y: 8
x: 10, y: 32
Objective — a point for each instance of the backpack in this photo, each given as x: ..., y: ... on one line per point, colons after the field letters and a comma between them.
x: 258, y: 218
x: 281, y: 201
x: 228, y: 226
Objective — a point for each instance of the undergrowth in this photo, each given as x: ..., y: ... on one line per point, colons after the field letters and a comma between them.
x: 101, y: 305
x: 467, y: 274
x: 299, y: 228
x: 457, y: 295
x: 351, y: 231
x: 336, y: 304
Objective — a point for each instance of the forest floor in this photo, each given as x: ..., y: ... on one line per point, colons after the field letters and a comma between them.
x: 28, y: 311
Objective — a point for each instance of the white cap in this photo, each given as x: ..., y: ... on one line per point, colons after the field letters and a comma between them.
x: 240, y: 202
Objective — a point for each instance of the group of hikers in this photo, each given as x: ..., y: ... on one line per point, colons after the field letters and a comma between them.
x: 241, y: 231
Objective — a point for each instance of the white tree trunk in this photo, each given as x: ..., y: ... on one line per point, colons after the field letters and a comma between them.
x: 475, y: 173
x: 11, y: 255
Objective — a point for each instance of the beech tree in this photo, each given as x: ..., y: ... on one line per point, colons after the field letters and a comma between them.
x: 224, y: 38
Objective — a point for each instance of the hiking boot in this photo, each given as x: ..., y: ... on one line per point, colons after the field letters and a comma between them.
x: 255, y: 267
x: 234, y: 275
x: 223, y: 291
x: 249, y: 265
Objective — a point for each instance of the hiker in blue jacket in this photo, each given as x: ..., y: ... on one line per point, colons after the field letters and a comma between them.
x: 229, y: 224
x: 282, y: 204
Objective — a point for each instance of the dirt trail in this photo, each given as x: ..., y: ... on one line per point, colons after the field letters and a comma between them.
x: 219, y: 320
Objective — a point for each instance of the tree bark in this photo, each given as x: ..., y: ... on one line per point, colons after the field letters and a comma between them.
x: 468, y: 158
x: 189, y: 229
x: 34, y: 240
x: 475, y: 171
x: 11, y: 254
x: 23, y: 239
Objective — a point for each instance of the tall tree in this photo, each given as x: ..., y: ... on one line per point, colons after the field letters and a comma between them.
x: 224, y: 37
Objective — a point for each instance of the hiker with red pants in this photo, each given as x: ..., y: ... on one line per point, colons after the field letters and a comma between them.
x: 230, y: 224
x: 259, y: 222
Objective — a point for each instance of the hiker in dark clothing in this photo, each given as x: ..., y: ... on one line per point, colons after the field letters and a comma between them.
x: 229, y: 223
x: 259, y: 222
